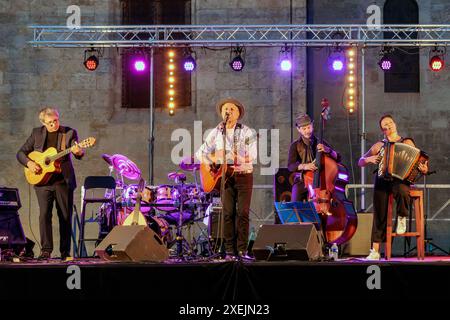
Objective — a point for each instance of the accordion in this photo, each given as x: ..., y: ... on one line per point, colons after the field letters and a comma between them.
x: 401, y: 161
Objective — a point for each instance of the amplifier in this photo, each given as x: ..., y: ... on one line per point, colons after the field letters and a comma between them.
x: 9, y: 199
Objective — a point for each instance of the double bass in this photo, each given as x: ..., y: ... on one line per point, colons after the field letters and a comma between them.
x: 326, y: 189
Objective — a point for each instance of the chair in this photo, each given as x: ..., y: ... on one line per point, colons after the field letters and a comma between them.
x: 90, y: 183
x: 417, y: 200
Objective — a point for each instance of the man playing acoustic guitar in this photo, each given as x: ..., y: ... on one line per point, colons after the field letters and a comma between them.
x: 60, y: 186
x: 240, y: 152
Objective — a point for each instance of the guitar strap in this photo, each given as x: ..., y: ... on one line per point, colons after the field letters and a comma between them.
x: 237, y: 132
x: 63, y: 142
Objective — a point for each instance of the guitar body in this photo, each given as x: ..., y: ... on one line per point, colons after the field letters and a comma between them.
x: 48, y: 168
x: 211, y: 175
x: 50, y: 162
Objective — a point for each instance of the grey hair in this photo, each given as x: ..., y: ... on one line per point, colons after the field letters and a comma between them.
x: 47, y: 111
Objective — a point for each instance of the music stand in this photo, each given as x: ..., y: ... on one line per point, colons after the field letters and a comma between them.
x: 296, y: 212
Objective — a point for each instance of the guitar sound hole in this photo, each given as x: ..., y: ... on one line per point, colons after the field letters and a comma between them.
x: 47, y: 161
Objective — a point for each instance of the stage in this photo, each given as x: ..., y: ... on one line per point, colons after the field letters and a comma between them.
x: 216, y: 282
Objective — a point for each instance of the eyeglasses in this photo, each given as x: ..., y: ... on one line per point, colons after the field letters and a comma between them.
x: 54, y: 121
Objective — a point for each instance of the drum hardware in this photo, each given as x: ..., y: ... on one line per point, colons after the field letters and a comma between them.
x: 179, y: 205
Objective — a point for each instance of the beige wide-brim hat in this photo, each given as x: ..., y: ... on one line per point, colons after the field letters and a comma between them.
x: 236, y: 102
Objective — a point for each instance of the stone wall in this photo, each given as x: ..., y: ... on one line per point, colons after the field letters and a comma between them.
x: 91, y: 101
x: 423, y: 116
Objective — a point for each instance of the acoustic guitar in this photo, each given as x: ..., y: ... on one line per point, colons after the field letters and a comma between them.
x: 50, y: 162
x: 136, y: 218
x: 211, y: 173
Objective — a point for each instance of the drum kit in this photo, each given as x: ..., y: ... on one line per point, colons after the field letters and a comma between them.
x: 168, y: 208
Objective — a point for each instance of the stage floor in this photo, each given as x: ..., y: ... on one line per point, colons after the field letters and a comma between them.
x: 227, y: 281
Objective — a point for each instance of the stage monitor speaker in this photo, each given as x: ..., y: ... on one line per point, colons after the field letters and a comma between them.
x: 287, y: 242
x: 360, y: 243
x: 132, y: 243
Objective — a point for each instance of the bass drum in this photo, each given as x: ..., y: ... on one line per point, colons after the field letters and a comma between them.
x: 161, y: 228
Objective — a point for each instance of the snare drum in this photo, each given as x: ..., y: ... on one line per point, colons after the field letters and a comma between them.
x: 166, y: 196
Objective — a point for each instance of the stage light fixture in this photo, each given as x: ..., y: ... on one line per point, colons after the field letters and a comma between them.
x: 386, y: 62
x: 284, y: 59
x: 189, y: 63
x: 286, y: 64
x: 237, y: 63
x: 91, y: 63
x: 139, y: 65
x: 336, y: 60
x: 437, y: 62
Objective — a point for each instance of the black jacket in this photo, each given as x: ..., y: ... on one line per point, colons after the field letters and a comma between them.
x: 36, y: 142
x: 298, y: 152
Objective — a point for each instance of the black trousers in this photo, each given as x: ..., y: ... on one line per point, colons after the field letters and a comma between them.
x: 236, y: 211
x: 62, y: 195
x: 382, y: 190
x: 299, y: 192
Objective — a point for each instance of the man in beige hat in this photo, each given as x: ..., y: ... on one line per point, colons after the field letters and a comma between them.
x: 239, y: 153
x: 302, y: 153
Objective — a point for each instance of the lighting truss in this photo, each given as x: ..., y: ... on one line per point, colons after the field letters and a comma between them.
x: 248, y: 35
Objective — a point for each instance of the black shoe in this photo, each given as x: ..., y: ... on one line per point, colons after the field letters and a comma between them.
x: 245, y: 257
x: 45, y: 255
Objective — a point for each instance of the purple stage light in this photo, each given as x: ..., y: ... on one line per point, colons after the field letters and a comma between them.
x: 337, y: 65
x: 139, y: 65
x: 286, y: 65
x: 237, y: 64
x: 385, y: 63
x: 189, y: 64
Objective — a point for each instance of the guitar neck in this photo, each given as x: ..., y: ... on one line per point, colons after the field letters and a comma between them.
x: 61, y: 154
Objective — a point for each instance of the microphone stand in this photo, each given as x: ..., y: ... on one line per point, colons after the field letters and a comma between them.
x: 222, y: 181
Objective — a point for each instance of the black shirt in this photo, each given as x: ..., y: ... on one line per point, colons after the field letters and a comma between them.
x: 52, y: 142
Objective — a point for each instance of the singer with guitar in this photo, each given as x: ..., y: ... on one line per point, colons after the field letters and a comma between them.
x: 60, y: 185
x: 382, y: 187
x: 235, y: 160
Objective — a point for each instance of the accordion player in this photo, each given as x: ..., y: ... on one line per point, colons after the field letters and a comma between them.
x: 401, y: 161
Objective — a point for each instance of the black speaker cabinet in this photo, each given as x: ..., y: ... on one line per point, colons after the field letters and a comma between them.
x: 287, y: 242
x: 132, y: 243
x: 282, y: 184
x: 11, y: 231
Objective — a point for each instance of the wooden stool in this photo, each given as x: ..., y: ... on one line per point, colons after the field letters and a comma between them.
x: 417, y: 200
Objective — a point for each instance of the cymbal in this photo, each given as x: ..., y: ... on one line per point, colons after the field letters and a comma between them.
x: 188, y: 164
x: 176, y: 176
x: 107, y: 158
x: 125, y: 166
